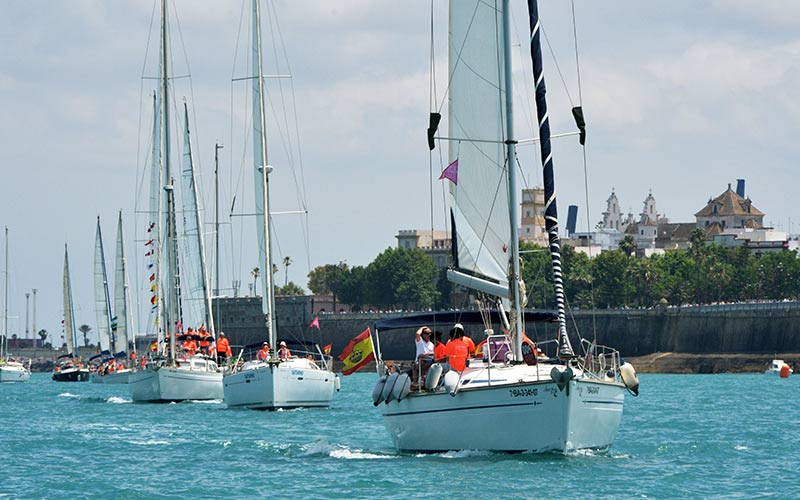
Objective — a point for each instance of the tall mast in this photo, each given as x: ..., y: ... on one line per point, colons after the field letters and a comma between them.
x: 262, y: 181
x: 217, y: 147
x: 4, y: 343
x: 550, y: 209
x: 513, y: 278
x: 106, y: 298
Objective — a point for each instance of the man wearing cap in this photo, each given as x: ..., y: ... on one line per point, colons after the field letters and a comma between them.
x: 284, y: 351
x: 424, y: 354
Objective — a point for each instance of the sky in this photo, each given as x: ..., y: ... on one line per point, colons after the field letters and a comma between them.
x: 680, y: 97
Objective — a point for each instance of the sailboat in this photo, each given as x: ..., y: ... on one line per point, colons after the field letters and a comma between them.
x: 112, y: 329
x: 11, y: 370
x: 69, y: 367
x: 512, y: 398
x: 305, y: 378
x: 170, y: 376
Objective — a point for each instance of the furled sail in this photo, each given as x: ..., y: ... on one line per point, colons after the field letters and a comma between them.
x: 101, y: 301
x: 479, y: 199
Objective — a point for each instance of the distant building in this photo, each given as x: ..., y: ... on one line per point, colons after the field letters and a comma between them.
x: 729, y: 211
x: 436, y: 244
x: 532, y: 221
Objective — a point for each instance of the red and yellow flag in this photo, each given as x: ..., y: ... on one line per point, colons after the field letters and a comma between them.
x: 358, y: 353
x: 327, y: 349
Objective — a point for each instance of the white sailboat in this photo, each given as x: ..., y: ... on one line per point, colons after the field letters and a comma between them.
x: 112, y: 327
x: 11, y: 370
x: 306, y: 378
x: 511, y: 398
x: 69, y: 367
x: 170, y: 376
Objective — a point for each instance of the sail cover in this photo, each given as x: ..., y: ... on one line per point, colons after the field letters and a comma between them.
x: 476, y: 118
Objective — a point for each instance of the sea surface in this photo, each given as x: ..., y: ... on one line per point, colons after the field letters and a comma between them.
x: 686, y: 436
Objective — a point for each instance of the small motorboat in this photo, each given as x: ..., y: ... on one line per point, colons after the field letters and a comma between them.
x: 780, y: 368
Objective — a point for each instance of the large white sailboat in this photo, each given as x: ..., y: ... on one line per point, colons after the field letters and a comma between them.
x: 170, y: 375
x: 11, y: 370
x: 305, y: 378
x: 512, y: 397
x: 112, y: 366
x: 69, y: 367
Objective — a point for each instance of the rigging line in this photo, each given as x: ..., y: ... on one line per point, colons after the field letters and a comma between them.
x: 458, y: 58
x: 585, y: 167
x: 555, y: 63
x: 431, y: 100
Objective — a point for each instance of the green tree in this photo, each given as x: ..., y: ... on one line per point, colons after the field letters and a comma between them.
x: 290, y: 289
x: 611, y: 287
x: 628, y: 245
x: 287, y: 261
x: 255, y: 273
x: 402, y: 277
x: 85, y: 329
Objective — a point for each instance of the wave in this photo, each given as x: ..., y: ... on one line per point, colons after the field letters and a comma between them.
x: 150, y: 442
x: 323, y: 448
x: 462, y: 454
x: 118, y: 400
x: 69, y: 395
x: 206, y: 401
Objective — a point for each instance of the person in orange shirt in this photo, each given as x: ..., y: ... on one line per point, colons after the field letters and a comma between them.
x: 439, y: 350
x: 223, y: 349
x: 205, y: 339
x: 457, y: 351
x: 189, y: 345
x: 469, y: 343
x: 263, y: 354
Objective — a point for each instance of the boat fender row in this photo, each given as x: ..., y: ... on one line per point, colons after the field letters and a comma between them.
x: 629, y: 378
x: 561, y: 378
x: 386, y: 393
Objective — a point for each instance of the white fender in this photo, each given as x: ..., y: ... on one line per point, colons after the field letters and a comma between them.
x: 337, y: 384
x: 377, y: 390
x: 629, y: 378
x: 401, y: 387
x: 451, y: 379
x: 388, y: 387
x: 434, y: 376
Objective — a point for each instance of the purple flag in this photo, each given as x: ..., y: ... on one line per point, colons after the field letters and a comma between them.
x: 451, y: 172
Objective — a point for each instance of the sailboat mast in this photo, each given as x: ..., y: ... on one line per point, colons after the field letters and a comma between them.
x: 4, y: 343
x: 511, y: 145
x: 550, y: 209
x: 104, y: 276
x: 217, y: 147
x: 262, y: 181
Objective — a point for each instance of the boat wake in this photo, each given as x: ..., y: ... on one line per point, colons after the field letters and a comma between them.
x: 205, y: 401
x: 118, y: 400
x: 150, y: 442
x: 69, y: 395
x: 325, y: 449
x: 461, y: 454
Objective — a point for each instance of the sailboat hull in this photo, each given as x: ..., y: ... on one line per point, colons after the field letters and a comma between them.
x: 518, y: 417
x: 292, y: 384
x: 118, y: 377
x: 14, y: 372
x: 71, y: 375
x: 172, y: 384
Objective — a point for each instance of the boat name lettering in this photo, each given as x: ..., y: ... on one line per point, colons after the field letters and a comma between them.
x: 297, y: 372
x: 593, y: 390
x: 522, y: 393
x: 249, y: 375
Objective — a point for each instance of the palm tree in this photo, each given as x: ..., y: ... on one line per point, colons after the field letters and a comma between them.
x: 85, y: 329
x: 42, y: 335
x: 256, y: 272
x: 287, y: 261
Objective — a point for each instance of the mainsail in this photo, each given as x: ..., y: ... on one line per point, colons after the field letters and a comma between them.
x: 69, y: 324
x: 102, y: 304
x: 197, y: 309
x: 120, y: 293
x: 477, y: 133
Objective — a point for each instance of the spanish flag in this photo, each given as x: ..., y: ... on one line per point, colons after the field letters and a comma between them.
x: 358, y: 353
x: 327, y: 349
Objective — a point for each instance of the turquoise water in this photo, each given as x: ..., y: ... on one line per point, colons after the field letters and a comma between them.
x: 686, y: 436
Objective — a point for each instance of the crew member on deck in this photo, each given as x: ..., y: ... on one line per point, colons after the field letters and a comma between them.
x: 439, y: 350
x: 263, y: 354
x: 223, y: 349
x: 424, y: 352
x: 457, y: 352
x: 189, y: 345
x: 284, y: 351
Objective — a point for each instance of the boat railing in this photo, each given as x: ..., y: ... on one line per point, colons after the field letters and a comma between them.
x: 599, y: 360
x: 316, y: 358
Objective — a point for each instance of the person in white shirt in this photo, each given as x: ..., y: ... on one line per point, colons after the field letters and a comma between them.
x: 424, y: 356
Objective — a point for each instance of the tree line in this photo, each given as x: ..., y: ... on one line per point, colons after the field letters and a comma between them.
x: 401, y: 278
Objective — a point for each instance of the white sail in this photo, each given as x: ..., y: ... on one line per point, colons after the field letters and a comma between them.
x: 69, y: 323
x: 101, y: 301
x: 476, y: 117
x: 120, y: 318
x: 196, y: 303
